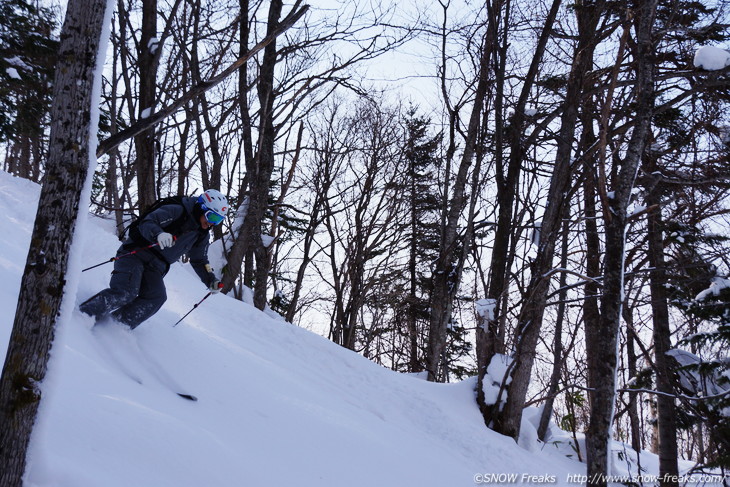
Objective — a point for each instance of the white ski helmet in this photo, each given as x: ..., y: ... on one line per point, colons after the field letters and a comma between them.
x: 214, y: 201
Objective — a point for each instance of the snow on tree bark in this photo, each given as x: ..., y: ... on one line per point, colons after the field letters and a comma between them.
x: 490, y: 340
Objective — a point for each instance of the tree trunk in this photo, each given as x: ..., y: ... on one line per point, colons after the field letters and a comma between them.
x: 547, y: 410
x: 490, y: 340
x: 445, y: 276
x: 507, y: 421
x: 322, y: 183
x: 72, y: 141
x: 412, y: 307
x: 632, y: 406
x: 603, y: 356
x: 144, y: 143
x: 259, y: 169
x: 305, y: 259
x: 111, y: 188
x: 666, y: 407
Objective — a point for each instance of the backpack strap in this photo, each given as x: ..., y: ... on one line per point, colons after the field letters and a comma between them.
x: 174, y: 227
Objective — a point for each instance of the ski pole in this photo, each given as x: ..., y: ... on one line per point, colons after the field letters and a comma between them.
x: 120, y: 256
x: 220, y: 286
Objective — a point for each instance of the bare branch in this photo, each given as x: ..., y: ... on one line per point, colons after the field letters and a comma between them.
x: 140, y: 126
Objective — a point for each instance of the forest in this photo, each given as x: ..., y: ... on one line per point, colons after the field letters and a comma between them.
x: 534, y: 193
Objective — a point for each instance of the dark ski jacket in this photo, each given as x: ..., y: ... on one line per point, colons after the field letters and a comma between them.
x: 191, y: 239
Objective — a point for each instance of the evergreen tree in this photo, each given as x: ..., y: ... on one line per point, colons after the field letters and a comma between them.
x: 27, y: 56
x: 703, y: 295
x: 400, y: 297
x: 421, y: 230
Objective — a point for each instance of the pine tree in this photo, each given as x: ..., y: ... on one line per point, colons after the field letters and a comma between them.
x: 27, y: 56
x: 679, y: 202
x: 421, y: 156
x: 703, y: 295
x: 403, y: 291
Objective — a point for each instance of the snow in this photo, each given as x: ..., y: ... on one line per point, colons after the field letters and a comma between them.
x: 724, y: 134
x: 711, y: 58
x: 267, y: 240
x: 18, y: 63
x: 13, y: 73
x: 717, y: 285
x: 277, y: 405
x: 496, y: 372
x: 216, y: 252
x: 694, y: 381
x: 636, y: 209
x: 153, y: 44
x: 486, y: 307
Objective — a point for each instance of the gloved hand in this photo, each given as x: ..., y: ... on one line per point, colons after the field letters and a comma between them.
x: 165, y: 240
x: 215, y: 286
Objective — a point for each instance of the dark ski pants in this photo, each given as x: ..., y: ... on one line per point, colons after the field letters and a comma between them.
x: 136, y: 291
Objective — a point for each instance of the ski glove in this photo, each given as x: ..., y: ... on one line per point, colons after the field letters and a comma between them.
x: 215, y: 286
x: 165, y: 240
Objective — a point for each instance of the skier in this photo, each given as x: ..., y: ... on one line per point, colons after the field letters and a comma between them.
x: 174, y: 226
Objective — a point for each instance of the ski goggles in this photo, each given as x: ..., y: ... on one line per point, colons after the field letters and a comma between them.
x: 211, y: 216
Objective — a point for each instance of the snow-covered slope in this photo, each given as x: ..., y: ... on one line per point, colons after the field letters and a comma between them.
x: 278, y: 405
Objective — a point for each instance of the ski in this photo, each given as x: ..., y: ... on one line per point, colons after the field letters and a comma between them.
x: 123, y: 350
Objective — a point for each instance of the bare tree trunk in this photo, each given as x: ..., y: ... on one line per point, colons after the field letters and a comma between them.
x: 547, y: 410
x: 140, y: 126
x: 654, y: 435
x: 21, y: 161
x: 445, y: 275
x: 323, y: 180
x: 259, y: 169
x: 489, y: 339
x: 42, y: 286
x: 666, y: 407
x: 632, y: 407
x: 243, y: 87
x: 264, y: 162
x: 602, y: 357
x: 144, y: 143
x: 306, y: 258
x: 111, y: 188
x: 507, y: 421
